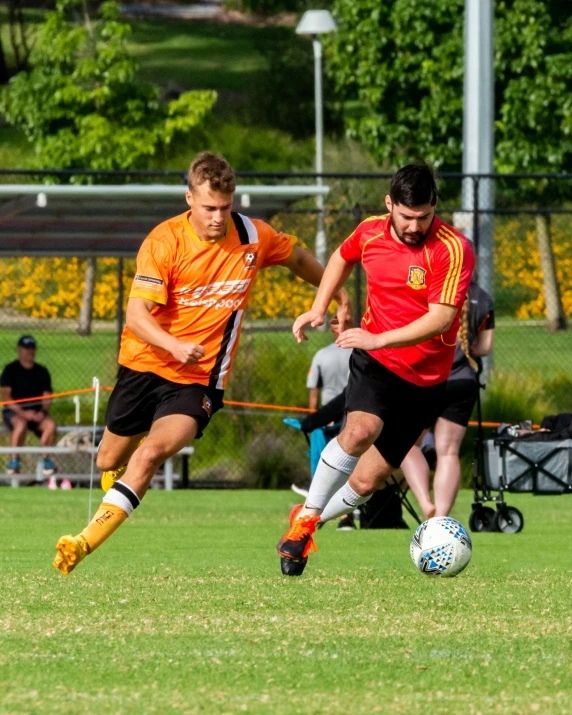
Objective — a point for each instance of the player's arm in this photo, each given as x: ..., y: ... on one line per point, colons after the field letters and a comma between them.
x: 314, y: 395
x: 484, y: 343
x: 140, y: 320
x: 436, y: 321
x: 7, y: 396
x: 333, y: 278
x: 46, y: 403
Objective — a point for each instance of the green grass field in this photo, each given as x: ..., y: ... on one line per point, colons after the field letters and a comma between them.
x: 184, y: 611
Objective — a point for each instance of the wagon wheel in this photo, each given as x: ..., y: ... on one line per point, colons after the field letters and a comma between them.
x: 509, y: 520
x: 482, y: 519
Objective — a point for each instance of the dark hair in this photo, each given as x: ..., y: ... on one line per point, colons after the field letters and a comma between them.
x: 413, y: 185
x: 213, y: 168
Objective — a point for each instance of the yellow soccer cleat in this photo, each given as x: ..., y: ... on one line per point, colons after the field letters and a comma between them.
x: 109, y: 478
x: 71, y: 550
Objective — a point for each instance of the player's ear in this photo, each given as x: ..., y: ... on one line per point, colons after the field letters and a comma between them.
x: 189, y: 198
x: 388, y: 203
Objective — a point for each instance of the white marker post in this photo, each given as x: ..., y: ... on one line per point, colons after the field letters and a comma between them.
x: 95, y: 386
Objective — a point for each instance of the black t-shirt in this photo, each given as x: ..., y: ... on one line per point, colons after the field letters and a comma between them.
x: 26, y: 383
x: 481, y: 317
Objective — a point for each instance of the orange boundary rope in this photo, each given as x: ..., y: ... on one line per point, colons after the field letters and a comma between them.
x: 46, y: 397
x: 286, y: 408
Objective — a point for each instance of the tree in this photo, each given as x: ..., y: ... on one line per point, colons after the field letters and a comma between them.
x: 82, y: 105
x: 399, y: 68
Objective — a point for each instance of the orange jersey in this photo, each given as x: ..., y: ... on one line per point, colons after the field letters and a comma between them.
x: 201, y: 289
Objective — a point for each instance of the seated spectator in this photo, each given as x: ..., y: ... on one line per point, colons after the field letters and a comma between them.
x: 21, y: 379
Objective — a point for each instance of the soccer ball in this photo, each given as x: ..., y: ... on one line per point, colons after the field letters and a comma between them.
x: 441, y: 547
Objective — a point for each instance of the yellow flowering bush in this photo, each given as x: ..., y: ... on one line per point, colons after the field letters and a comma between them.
x: 53, y: 287
x: 517, y: 264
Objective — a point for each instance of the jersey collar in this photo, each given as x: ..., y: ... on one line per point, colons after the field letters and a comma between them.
x: 215, y: 242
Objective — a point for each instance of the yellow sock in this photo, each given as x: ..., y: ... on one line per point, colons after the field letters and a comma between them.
x: 107, y: 519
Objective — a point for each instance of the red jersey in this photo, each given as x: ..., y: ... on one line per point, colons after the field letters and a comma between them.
x: 401, y: 282
x: 201, y: 289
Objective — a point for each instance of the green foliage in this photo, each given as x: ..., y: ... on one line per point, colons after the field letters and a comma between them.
x: 268, y: 465
x: 266, y: 7
x: 399, y: 66
x: 81, y: 104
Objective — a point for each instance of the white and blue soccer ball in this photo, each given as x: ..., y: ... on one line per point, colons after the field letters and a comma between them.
x: 441, y: 547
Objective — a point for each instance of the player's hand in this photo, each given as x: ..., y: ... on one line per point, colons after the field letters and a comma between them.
x: 337, y: 327
x: 33, y: 415
x: 187, y: 353
x: 312, y: 318
x: 358, y: 338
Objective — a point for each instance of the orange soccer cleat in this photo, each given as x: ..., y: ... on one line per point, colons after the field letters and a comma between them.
x: 294, y: 547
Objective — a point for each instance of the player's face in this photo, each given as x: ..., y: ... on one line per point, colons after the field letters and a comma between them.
x: 26, y: 356
x: 411, y: 224
x: 211, y: 211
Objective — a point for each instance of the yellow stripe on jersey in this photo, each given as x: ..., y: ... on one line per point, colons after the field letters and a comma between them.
x: 457, y: 278
x: 427, y: 258
x: 369, y: 240
x: 451, y: 283
x: 375, y: 218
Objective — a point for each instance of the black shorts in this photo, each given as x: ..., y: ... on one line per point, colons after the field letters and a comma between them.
x: 140, y: 398
x: 460, y: 398
x: 406, y: 409
x: 34, y: 427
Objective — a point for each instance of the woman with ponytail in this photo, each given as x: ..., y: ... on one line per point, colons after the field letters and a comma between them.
x: 474, y: 340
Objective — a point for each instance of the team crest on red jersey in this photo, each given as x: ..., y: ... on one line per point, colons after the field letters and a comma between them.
x: 416, y: 279
x: 249, y: 259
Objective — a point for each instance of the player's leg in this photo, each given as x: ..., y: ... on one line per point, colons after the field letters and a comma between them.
x: 416, y: 471
x: 18, y: 427
x: 339, y: 458
x: 371, y: 472
x: 167, y: 436
x: 448, y: 438
x: 46, y: 429
x: 113, y: 454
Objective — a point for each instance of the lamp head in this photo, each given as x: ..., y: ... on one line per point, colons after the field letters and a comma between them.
x: 316, y: 22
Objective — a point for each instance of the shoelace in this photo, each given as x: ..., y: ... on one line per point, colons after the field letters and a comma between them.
x: 302, y: 528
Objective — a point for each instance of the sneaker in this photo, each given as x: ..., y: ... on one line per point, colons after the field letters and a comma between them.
x: 66, y: 484
x: 49, y: 467
x: 301, y: 490
x: 14, y: 466
x: 346, y: 523
x: 52, y: 484
x: 71, y: 550
x: 294, y: 547
x: 109, y: 478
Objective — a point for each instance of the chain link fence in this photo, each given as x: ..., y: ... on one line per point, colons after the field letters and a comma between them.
x: 521, y: 227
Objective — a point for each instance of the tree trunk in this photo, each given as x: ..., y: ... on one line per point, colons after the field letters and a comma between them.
x: 85, y: 314
x: 556, y: 319
x: 4, y: 71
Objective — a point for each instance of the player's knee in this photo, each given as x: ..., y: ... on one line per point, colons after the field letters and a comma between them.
x: 152, y: 453
x: 357, y: 439
x: 367, y: 483
x: 106, y: 462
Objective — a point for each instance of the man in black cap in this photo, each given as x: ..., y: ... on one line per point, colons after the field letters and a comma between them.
x: 21, y: 379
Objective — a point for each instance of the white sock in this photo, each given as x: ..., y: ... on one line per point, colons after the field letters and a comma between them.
x: 333, y: 470
x: 344, y: 501
x: 122, y: 496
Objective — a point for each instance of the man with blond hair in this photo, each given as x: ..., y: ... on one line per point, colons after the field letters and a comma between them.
x: 193, y: 279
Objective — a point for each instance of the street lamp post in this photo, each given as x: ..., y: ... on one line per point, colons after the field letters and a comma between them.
x: 313, y: 24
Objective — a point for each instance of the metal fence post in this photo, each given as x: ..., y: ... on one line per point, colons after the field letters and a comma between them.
x: 358, y: 215
x: 119, y: 300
